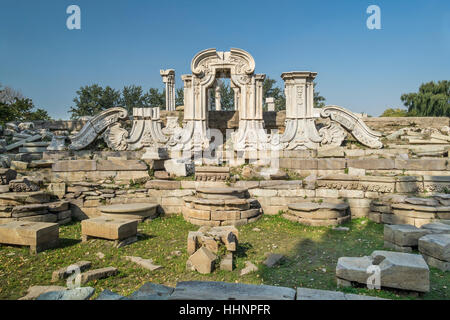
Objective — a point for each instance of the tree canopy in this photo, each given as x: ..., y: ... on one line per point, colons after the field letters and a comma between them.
x: 14, y: 107
x: 397, y: 112
x: 432, y: 100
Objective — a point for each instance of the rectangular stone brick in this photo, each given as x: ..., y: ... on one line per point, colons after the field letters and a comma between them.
x: 371, y: 164
x: 121, y: 165
x: 74, y: 165
x: 331, y: 164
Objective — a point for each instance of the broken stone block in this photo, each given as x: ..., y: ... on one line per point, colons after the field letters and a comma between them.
x: 435, y: 248
x: 203, y: 260
x: 59, y: 206
x: 437, y: 227
x: 249, y: 267
x: 19, y: 165
x: 192, y: 242
x: 37, y: 235
x: 24, y: 185
x: 65, y: 272
x: 402, y: 237
x: 179, y: 168
x: 57, y: 189
x: 162, y: 175
x: 227, y: 262
x: 145, y: 263
x: 272, y: 259
x: 6, y: 175
x: 106, y: 228
x: 98, y: 274
x: 397, y: 270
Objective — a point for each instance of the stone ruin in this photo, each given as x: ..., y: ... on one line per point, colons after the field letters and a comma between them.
x: 316, y: 166
x: 206, y: 244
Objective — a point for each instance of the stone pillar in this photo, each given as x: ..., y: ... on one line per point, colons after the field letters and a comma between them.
x: 236, y: 98
x: 270, y: 104
x: 218, y: 97
x: 168, y: 77
x: 210, y: 98
x: 301, y: 132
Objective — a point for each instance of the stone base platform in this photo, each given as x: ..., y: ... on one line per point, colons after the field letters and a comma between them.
x: 220, y: 207
x: 435, y: 249
x: 121, y: 231
x: 403, y: 237
x: 318, y: 214
x: 137, y: 211
x: 39, y: 236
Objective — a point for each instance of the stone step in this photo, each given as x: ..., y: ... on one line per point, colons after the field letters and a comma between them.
x: 36, y: 144
x: 139, y: 211
x: 222, y: 193
x: 32, y: 149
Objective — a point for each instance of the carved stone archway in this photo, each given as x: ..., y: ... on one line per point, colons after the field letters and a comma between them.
x: 205, y: 66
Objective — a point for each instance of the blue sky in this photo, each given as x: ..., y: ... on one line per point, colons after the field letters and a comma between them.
x: 128, y: 42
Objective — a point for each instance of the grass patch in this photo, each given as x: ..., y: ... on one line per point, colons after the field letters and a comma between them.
x: 310, y: 258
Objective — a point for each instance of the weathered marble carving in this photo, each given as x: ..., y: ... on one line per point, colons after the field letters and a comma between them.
x: 115, y: 137
x: 168, y: 77
x: 95, y: 126
x: 239, y: 65
x: 354, y: 124
x: 332, y: 134
x: 301, y: 132
x: 58, y: 143
x: 147, y: 133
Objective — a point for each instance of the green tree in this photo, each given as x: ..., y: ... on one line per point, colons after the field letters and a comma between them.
x: 397, y: 112
x: 154, y: 98
x: 270, y: 90
x: 432, y: 100
x: 21, y: 110
x: 319, y: 101
x: 133, y: 97
x: 93, y: 99
x: 179, y: 97
x: 226, y: 96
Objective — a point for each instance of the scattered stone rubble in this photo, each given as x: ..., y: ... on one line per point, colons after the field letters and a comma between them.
x: 415, y: 211
x: 204, y: 246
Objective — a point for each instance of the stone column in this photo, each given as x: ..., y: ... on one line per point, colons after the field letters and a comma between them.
x: 168, y: 77
x: 218, y: 97
x: 236, y: 98
x: 210, y: 98
x: 301, y: 132
x: 270, y: 104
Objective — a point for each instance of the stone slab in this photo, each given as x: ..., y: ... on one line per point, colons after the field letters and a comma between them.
x: 107, y: 228
x: 37, y: 235
x: 209, y: 290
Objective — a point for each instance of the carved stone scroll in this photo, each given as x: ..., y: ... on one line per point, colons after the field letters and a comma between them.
x: 95, y: 126
x: 354, y: 124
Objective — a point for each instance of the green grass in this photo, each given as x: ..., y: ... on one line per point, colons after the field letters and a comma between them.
x: 311, y: 257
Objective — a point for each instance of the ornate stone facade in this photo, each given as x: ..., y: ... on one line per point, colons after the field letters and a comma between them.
x: 201, y: 87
